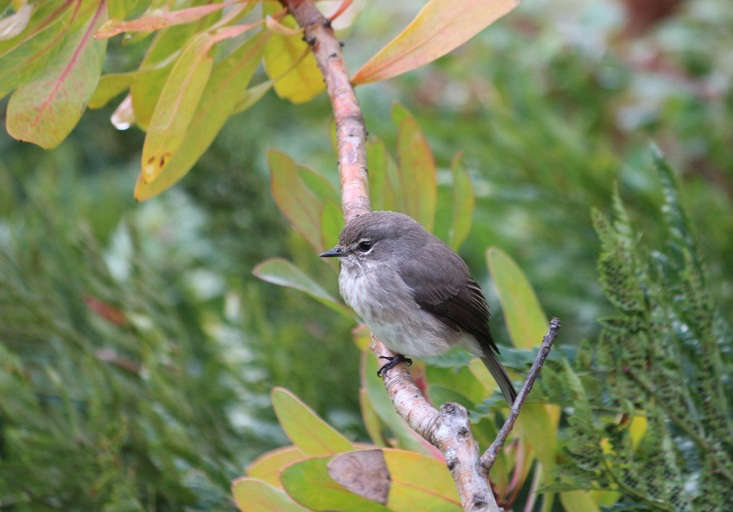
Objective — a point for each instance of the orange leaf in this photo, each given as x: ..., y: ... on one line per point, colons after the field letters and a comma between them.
x: 160, y: 18
x: 438, y: 28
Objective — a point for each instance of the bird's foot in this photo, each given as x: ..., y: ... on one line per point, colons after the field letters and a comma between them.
x: 392, y: 362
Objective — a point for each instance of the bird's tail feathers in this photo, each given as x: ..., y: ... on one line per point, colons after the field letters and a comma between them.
x: 499, y: 373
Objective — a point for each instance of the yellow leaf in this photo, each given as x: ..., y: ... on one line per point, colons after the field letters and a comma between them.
x: 419, y: 482
x: 219, y: 100
x: 292, y: 67
x: 438, y: 28
x: 525, y: 319
x: 176, y: 106
x: 267, y: 467
x: 306, y: 430
x: 578, y: 501
x: 252, y: 495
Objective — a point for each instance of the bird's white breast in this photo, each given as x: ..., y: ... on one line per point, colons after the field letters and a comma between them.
x: 386, y: 305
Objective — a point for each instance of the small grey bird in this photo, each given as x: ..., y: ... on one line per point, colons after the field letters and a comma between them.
x: 414, y: 292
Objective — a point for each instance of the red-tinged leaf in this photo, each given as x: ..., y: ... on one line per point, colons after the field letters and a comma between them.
x: 160, y: 18
x: 267, y: 467
x: 46, y: 109
x: 291, y: 66
x: 253, y: 495
x: 463, y: 202
x: 219, y: 101
x: 12, y: 25
x: 25, y: 55
x: 299, y: 203
x: 417, y: 172
x: 104, y: 310
x: 342, y: 13
x: 176, y: 107
x: 438, y: 28
x: 275, y: 26
x: 44, y: 16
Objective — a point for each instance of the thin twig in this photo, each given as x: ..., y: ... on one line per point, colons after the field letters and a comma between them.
x: 489, y: 456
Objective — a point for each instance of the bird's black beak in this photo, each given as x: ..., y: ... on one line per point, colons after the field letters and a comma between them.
x: 331, y: 253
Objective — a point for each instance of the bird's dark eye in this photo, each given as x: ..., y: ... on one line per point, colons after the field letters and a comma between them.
x: 365, y: 245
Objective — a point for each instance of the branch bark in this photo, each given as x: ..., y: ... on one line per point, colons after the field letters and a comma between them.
x: 449, y: 428
x: 350, y: 129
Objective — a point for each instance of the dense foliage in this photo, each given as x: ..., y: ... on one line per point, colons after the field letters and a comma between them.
x: 661, y: 365
x: 551, y: 107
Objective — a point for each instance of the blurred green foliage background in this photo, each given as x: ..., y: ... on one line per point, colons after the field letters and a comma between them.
x: 137, y: 332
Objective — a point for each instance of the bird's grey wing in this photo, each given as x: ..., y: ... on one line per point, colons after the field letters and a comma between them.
x: 448, y: 292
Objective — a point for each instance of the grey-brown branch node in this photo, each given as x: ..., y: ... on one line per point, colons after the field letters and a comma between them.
x: 448, y: 429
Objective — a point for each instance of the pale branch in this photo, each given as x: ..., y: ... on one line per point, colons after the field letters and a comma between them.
x: 449, y: 428
x: 489, y: 456
x: 350, y: 130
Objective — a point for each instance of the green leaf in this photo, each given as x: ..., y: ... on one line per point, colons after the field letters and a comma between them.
x: 463, y: 203
x: 419, y: 482
x: 176, y: 106
x: 121, y: 9
x: 291, y: 66
x: 267, y: 467
x: 578, y: 501
x: 460, y: 380
x: 110, y: 86
x: 306, y: 430
x: 438, y: 28
x: 525, y: 319
x: 252, y: 95
x: 309, y: 483
x: 300, y: 203
x: 332, y: 219
x: 371, y: 419
x: 281, y: 272
x: 46, y: 109
x: 417, y: 172
x: 159, y: 59
x: 385, y: 189
x: 219, y: 101
x: 252, y: 495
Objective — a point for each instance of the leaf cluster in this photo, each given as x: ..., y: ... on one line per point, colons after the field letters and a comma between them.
x: 659, y: 364
x: 196, y: 69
